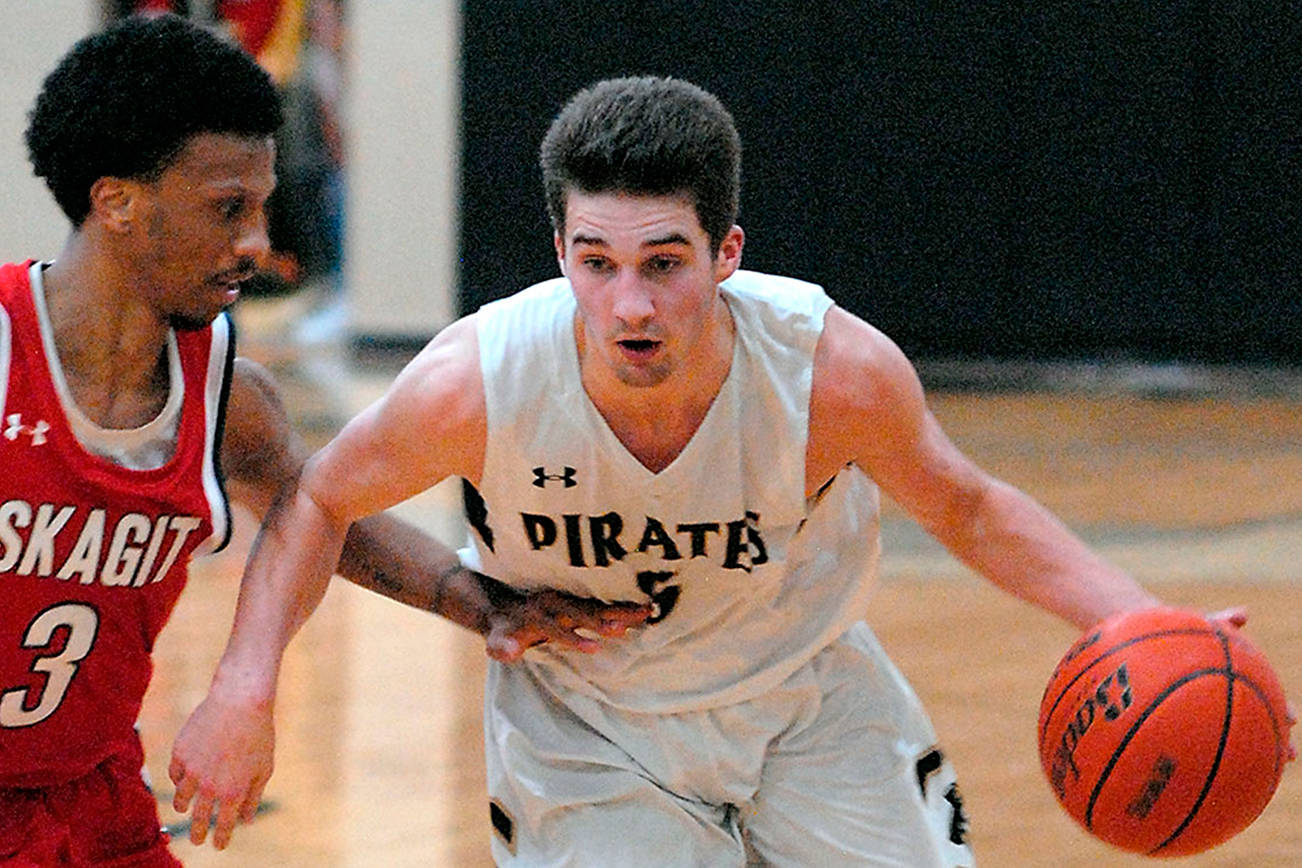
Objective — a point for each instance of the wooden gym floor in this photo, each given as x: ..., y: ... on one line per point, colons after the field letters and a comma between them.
x: 1195, y: 485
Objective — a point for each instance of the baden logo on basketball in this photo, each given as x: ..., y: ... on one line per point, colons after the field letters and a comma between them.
x: 1111, y: 697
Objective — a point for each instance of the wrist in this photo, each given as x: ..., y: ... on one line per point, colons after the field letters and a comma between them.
x: 472, y: 599
x: 239, y: 683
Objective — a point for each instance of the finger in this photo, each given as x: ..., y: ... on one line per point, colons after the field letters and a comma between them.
x: 629, y: 613
x: 577, y: 641
x: 200, y: 818
x: 624, y: 612
x: 616, y: 621
x: 185, y: 786
x: 176, y: 770
x: 1290, y: 720
x: 604, y: 619
x: 228, y: 810
x: 614, y: 627
x: 250, y: 810
x: 1235, y: 617
x: 557, y: 620
x: 557, y: 629
x: 254, y: 799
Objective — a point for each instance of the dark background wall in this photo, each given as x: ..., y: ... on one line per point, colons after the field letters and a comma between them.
x: 1018, y: 180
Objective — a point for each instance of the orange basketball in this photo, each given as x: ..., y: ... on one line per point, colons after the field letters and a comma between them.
x: 1163, y: 733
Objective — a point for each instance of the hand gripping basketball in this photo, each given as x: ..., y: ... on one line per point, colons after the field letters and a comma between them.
x: 1164, y: 732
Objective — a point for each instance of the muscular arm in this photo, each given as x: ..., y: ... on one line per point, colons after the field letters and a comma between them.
x: 262, y: 455
x: 428, y: 426
x: 222, y: 758
x: 323, y: 515
x: 868, y: 407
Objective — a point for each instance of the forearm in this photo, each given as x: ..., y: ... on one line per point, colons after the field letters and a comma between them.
x: 284, y: 581
x: 1023, y: 548
x: 390, y: 557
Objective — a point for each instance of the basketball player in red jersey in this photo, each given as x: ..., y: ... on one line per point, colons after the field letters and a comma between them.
x: 125, y: 419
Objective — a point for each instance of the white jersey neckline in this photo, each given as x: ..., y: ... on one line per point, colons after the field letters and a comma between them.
x: 610, y: 440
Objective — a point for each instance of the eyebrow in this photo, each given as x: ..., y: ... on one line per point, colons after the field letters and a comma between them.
x: 671, y: 238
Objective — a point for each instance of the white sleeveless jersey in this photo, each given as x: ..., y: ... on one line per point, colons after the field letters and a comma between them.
x: 749, y: 577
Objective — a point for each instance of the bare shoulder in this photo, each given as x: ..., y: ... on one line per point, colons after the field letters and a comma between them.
x: 428, y: 425
x: 260, y: 451
x: 857, y: 363
x: 448, y: 363
x: 865, y: 395
x: 440, y: 390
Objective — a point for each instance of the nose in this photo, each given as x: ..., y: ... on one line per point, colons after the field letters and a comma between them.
x: 252, y: 242
x: 633, y: 303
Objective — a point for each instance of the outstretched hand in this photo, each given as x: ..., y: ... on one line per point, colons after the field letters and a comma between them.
x: 1235, y: 618
x: 519, y: 621
x: 222, y: 760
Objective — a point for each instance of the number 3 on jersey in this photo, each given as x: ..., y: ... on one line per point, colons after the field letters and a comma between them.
x: 59, y: 667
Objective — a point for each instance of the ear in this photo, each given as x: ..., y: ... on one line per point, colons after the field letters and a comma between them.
x: 115, y: 202
x: 728, y: 259
x: 559, y: 243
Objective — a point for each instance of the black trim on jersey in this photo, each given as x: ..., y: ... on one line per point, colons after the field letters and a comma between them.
x: 503, y: 824
x: 219, y: 429
x: 476, y: 512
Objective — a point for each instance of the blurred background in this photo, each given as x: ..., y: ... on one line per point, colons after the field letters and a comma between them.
x: 1083, y: 221
x: 1051, y: 182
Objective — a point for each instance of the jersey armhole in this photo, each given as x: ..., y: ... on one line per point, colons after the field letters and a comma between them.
x: 5, y: 354
x: 221, y: 365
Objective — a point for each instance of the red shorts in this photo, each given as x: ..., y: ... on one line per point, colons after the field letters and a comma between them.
x: 106, y: 819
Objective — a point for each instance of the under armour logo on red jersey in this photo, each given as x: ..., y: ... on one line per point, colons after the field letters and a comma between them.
x: 541, y: 477
x: 16, y: 427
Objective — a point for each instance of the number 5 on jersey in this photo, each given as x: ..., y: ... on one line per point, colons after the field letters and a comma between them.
x: 655, y: 584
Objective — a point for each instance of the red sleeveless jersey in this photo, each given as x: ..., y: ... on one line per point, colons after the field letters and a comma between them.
x: 92, y: 555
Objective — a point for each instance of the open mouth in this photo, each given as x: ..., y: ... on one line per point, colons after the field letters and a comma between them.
x: 230, y: 283
x: 639, y: 345
x: 639, y: 350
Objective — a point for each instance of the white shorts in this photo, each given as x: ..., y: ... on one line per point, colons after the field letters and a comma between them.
x: 836, y: 766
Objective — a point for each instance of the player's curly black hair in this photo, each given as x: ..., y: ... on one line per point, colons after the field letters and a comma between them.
x: 649, y: 136
x: 124, y: 103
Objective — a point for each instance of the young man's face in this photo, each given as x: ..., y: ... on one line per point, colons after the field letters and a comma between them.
x: 645, y: 281
x: 203, y: 226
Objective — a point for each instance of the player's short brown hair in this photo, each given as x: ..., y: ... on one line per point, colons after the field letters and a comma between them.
x: 646, y: 136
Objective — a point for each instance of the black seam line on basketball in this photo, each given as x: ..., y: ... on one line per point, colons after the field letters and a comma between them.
x: 1134, y: 728
x: 1270, y: 712
x: 1220, y: 747
x: 1115, y: 649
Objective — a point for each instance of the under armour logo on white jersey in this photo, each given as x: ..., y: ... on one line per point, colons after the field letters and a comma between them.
x: 15, y: 427
x: 541, y: 477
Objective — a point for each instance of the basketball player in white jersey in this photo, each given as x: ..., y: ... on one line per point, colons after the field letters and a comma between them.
x: 658, y: 425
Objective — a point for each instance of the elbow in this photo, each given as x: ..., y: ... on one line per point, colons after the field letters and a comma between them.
x: 311, y: 493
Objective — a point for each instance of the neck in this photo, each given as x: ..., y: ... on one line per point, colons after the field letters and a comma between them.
x: 655, y: 423
x: 111, y: 346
